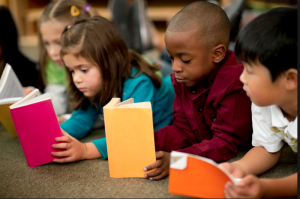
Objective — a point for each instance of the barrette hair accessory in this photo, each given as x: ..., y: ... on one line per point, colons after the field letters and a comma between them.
x: 68, y: 27
x: 87, y: 7
x: 74, y: 11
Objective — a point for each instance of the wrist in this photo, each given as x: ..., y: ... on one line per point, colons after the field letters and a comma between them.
x: 85, y: 154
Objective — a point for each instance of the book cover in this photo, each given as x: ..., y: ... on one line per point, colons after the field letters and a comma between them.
x: 196, y: 176
x: 130, y: 137
x: 11, y: 91
x: 37, y: 127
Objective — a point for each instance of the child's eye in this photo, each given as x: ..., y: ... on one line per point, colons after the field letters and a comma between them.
x: 84, y: 70
x: 187, y: 61
x: 71, y: 71
x: 248, y: 70
x: 170, y: 57
x: 46, y: 43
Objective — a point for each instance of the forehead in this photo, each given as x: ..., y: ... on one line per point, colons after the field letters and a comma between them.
x: 52, y: 29
x: 186, y: 40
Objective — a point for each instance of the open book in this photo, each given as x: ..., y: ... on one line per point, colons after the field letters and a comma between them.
x: 196, y: 176
x: 37, y: 127
x: 11, y: 91
x: 129, y: 136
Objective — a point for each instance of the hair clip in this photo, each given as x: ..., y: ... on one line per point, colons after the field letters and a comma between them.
x: 68, y: 27
x: 87, y: 7
x: 74, y: 11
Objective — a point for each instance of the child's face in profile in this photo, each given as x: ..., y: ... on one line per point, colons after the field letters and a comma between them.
x: 51, y: 32
x: 191, y: 60
x: 86, y: 76
x: 259, y: 86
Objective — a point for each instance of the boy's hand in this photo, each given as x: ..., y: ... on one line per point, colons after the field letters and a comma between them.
x: 233, y: 169
x: 74, y: 150
x: 248, y: 187
x: 161, y: 166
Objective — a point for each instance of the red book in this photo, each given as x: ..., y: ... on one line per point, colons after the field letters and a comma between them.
x: 37, y: 127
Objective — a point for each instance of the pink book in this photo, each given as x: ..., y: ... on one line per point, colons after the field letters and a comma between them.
x: 37, y: 127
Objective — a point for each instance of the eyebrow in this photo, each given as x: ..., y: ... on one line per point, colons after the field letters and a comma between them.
x: 181, y: 53
x: 77, y: 66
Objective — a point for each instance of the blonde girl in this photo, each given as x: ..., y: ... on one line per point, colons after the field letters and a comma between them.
x: 56, y: 16
x: 100, y: 66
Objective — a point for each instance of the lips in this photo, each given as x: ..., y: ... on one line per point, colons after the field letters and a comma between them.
x: 82, y: 89
x: 180, y: 80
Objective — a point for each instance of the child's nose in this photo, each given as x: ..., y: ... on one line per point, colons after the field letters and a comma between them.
x: 176, y: 67
x: 242, y: 77
x: 77, y: 78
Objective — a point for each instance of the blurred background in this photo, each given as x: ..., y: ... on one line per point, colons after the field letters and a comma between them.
x: 27, y: 12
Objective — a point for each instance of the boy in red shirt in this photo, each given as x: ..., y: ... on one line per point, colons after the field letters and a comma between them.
x: 211, y: 111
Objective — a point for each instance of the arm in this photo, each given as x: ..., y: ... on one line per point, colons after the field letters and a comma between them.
x: 81, y: 122
x: 253, y: 187
x: 231, y: 129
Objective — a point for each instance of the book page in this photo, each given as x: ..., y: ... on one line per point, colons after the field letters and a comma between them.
x: 10, y: 85
x: 33, y: 94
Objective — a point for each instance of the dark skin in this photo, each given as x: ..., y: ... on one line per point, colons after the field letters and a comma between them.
x: 192, y: 61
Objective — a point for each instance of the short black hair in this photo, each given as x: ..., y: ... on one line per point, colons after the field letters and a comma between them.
x: 271, y: 39
x: 210, y: 19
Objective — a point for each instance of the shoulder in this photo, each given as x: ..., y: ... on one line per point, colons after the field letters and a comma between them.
x: 140, y: 80
x: 230, y: 71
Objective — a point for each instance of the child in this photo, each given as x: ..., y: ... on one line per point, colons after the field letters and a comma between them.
x: 101, y: 67
x: 57, y: 15
x: 211, y: 112
x: 268, y: 48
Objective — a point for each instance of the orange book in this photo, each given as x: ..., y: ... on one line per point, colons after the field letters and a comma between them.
x: 196, y: 176
x: 129, y: 136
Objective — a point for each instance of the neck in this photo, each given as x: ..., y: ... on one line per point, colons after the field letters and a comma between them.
x: 290, y: 108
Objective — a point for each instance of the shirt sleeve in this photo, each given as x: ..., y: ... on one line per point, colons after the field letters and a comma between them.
x: 81, y: 122
x: 179, y: 134
x: 231, y: 129
x: 262, y: 132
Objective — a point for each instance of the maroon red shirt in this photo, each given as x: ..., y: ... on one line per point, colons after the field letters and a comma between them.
x: 211, y: 119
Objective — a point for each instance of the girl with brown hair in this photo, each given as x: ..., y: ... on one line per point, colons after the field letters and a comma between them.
x: 100, y: 66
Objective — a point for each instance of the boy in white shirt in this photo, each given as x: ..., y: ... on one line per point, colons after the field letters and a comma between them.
x: 267, y: 46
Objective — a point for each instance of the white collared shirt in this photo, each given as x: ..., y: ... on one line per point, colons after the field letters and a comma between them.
x: 271, y: 129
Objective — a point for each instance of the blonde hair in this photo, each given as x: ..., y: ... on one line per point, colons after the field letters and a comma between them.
x: 59, y: 10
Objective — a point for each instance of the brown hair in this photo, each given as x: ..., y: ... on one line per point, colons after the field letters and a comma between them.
x: 97, y: 40
x: 59, y: 10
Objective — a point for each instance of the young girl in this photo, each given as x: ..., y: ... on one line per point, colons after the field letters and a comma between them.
x: 57, y: 15
x: 101, y: 67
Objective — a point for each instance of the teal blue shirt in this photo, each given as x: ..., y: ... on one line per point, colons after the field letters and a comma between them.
x: 141, y: 89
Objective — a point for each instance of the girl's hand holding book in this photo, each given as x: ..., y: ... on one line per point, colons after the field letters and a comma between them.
x: 74, y: 149
x: 233, y: 169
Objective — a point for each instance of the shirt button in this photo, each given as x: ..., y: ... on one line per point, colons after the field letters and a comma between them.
x: 200, y: 109
x: 213, y: 118
x: 194, y: 91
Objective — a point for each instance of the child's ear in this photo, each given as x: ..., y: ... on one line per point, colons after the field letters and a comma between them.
x: 219, y: 53
x: 291, y: 79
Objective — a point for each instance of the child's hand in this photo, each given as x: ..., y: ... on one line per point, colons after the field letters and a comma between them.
x: 233, y: 169
x: 161, y: 166
x: 248, y: 187
x: 74, y: 150
x: 27, y: 90
x: 61, y: 120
